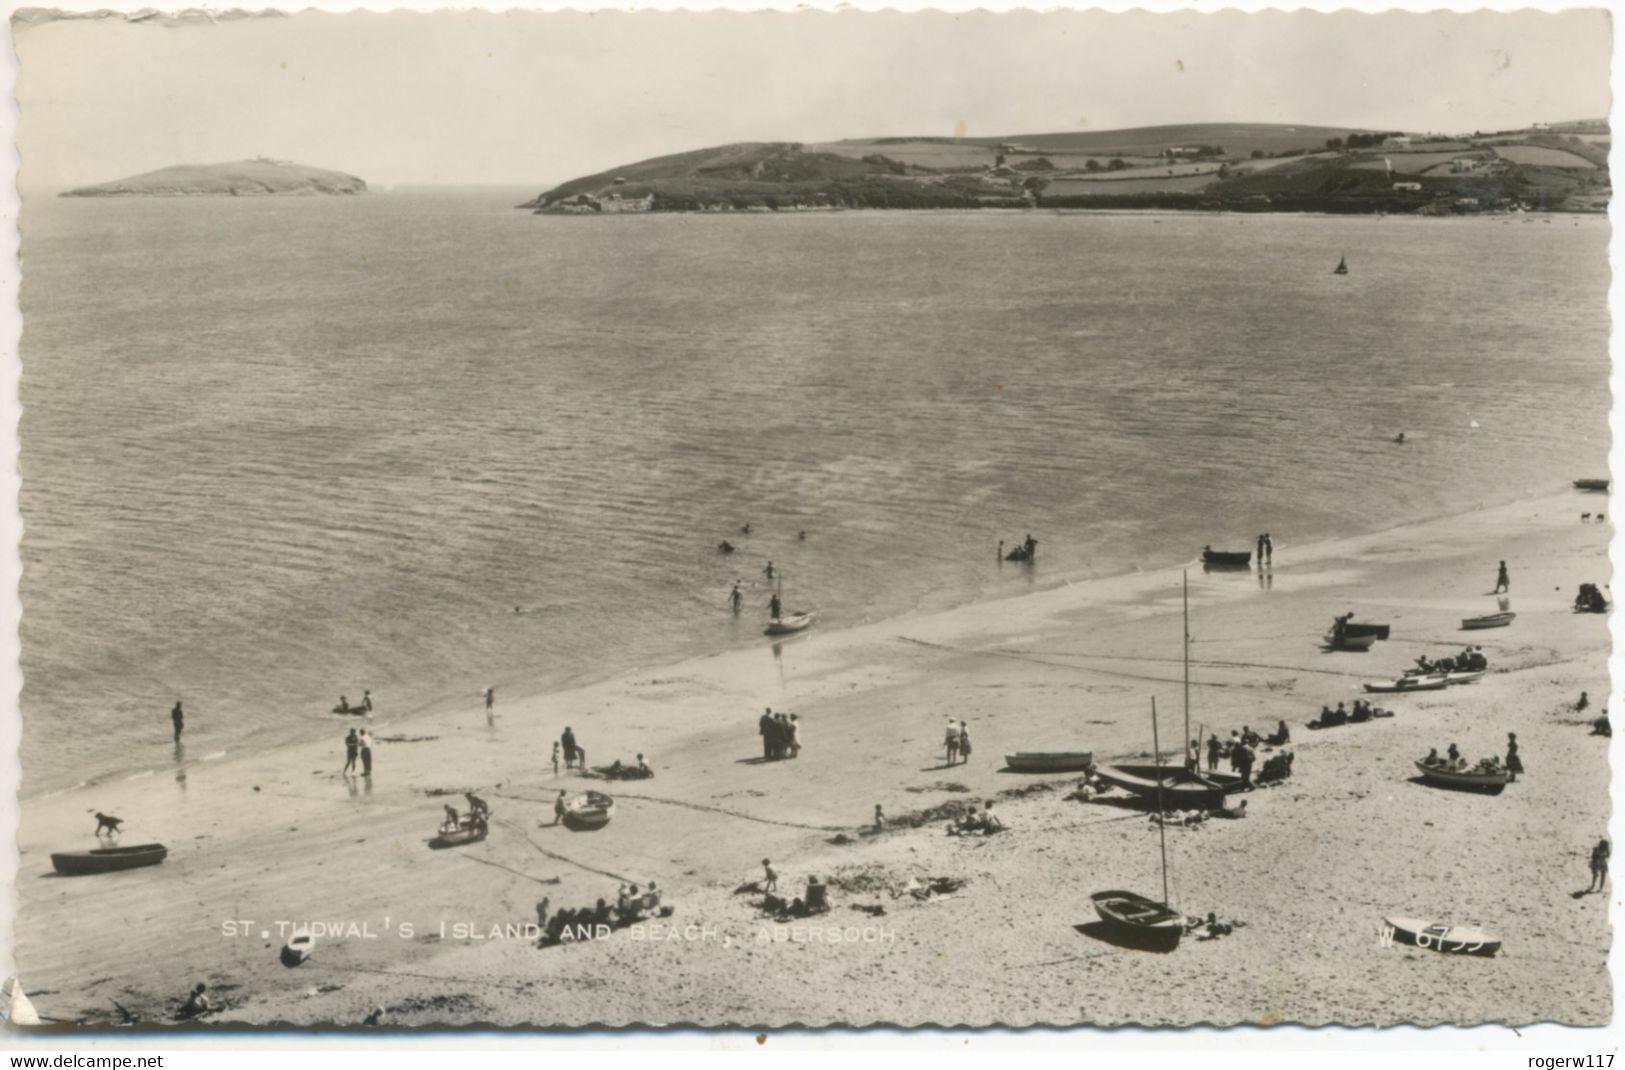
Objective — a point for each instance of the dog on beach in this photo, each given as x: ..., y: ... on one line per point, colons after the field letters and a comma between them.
x: 105, y: 823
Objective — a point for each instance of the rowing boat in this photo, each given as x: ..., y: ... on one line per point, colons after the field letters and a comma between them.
x: 1182, y: 789
x: 108, y: 859
x: 1351, y: 642
x: 1591, y: 484
x: 1227, y: 558
x: 298, y: 948
x: 1490, y: 783
x: 1447, y: 939
x: 789, y: 624
x: 1140, y: 921
x: 589, y: 811
x: 1433, y: 682
x: 1059, y: 761
x: 1489, y: 620
x: 1379, y: 630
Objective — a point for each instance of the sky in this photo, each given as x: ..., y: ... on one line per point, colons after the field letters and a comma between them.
x: 533, y: 99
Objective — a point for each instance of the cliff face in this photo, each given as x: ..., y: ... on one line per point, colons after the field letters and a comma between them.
x: 243, y: 178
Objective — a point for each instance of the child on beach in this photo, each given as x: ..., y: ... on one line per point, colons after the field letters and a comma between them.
x: 964, y: 742
x: 951, y: 740
x: 1514, y: 763
x: 771, y: 881
x: 558, y: 808
x: 555, y: 757
x: 1599, y: 866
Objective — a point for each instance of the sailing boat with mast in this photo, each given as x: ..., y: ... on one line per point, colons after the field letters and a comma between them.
x: 1342, y: 267
x: 782, y: 623
x: 1186, y: 788
x: 1136, y: 919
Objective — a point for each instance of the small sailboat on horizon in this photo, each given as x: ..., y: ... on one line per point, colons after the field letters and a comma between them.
x: 1342, y: 267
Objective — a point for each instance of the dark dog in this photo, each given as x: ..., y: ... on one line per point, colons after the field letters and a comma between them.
x: 108, y: 824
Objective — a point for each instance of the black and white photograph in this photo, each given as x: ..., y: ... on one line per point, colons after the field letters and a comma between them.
x: 745, y: 520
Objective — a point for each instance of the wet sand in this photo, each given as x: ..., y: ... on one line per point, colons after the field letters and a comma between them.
x: 281, y: 837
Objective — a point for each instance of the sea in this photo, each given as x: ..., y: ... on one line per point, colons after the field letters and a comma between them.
x: 421, y: 442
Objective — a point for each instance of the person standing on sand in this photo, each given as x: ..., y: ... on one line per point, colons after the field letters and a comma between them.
x: 765, y: 726
x: 352, y: 746
x: 366, y: 753
x: 1514, y: 763
x: 1269, y: 548
x: 558, y: 808
x: 794, y: 736
x: 770, y: 881
x: 1599, y: 866
x: 880, y: 818
x: 569, y: 741
x: 1214, y: 748
x: 768, y: 571
x: 951, y: 741
x: 774, y: 607
x: 1000, y: 556
x: 1261, y: 551
x: 178, y: 719
x: 490, y: 697
x: 1244, y: 764
x: 1502, y: 583
x: 964, y: 742
x: 366, y: 700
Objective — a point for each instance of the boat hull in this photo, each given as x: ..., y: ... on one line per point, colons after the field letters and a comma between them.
x: 789, y: 625
x: 588, y: 812
x: 1409, y: 683
x: 1445, y: 939
x: 1050, y: 761
x: 1491, y: 620
x: 108, y: 859
x: 1591, y: 484
x: 1465, y: 780
x: 459, y: 838
x: 1179, y: 790
x: 1379, y: 630
x: 1359, y: 643
x: 1227, y: 558
x: 1135, y: 920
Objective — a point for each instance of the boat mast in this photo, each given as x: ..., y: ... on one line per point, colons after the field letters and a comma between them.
x: 1186, y: 593
x: 1162, y: 826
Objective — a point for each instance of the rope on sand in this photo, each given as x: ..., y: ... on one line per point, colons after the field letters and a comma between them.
x: 510, y: 869
x: 702, y: 806
x: 558, y: 857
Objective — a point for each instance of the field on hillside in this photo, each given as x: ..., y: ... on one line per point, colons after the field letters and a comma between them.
x: 1083, y: 187
x: 1179, y: 170
x: 1537, y: 156
x: 936, y: 155
x: 1238, y: 139
x: 1409, y: 163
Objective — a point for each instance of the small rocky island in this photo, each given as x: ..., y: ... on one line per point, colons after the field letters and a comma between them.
x: 260, y: 177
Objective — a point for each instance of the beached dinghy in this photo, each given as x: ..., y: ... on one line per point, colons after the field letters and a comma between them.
x: 108, y: 859
x: 1433, y: 682
x: 297, y: 949
x: 1489, y: 620
x: 1212, y: 558
x: 1360, y: 643
x: 1448, y: 939
x: 1134, y: 919
x: 789, y: 624
x: 588, y: 811
x: 468, y: 831
x: 1591, y: 484
x: 1379, y: 630
x: 1488, y: 781
x: 1055, y: 761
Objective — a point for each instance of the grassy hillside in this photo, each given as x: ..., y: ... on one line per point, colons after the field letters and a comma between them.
x: 241, y: 178
x: 1242, y: 166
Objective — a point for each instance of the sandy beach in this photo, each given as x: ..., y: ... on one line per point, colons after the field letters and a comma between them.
x: 262, y: 843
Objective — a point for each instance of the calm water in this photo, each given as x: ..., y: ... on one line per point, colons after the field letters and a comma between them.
x: 278, y: 450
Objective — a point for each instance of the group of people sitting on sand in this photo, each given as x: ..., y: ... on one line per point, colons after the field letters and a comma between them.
x: 781, y: 735
x: 814, y: 900
x: 1471, y: 659
x: 618, y: 770
x: 1590, y: 599
x: 1363, y: 711
x: 976, y: 823
x: 1026, y: 550
x: 631, y: 906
